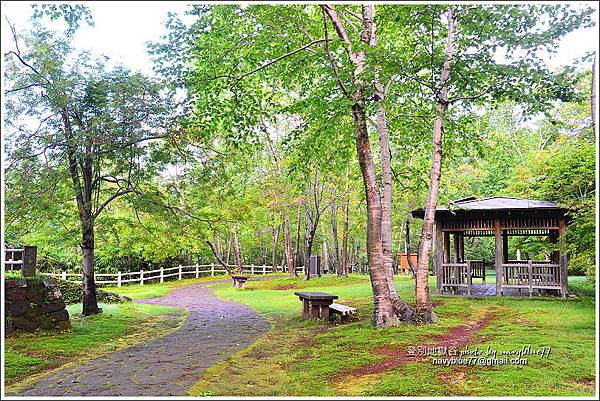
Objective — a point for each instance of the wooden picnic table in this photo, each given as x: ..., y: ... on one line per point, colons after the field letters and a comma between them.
x: 239, y: 280
x: 315, y: 304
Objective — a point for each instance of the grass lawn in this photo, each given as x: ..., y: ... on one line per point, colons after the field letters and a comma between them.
x: 303, y: 358
x: 118, y: 326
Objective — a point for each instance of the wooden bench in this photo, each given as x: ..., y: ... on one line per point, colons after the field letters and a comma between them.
x: 342, y: 310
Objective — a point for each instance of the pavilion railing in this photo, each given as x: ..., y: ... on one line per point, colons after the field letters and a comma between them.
x: 455, y: 275
x: 531, y: 275
x: 478, y: 269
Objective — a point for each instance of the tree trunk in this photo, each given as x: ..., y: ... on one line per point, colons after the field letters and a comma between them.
x: 325, y: 257
x: 334, y: 232
x: 353, y: 258
x: 309, y: 233
x: 400, y: 307
x: 83, y: 198
x: 424, y: 309
x: 383, y: 313
x: 297, y: 251
x: 275, y: 242
x: 344, y: 256
x: 228, y: 250
x: 287, y: 247
x: 90, y: 303
x: 236, y: 250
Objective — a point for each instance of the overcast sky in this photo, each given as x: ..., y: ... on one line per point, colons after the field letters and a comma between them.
x: 122, y: 29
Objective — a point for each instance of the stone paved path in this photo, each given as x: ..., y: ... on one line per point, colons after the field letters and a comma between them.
x: 166, y: 366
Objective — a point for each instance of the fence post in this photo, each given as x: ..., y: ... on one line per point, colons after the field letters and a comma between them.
x: 141, y: 277
x: 28, y: 260
x: 251, y: 269
x: 63, y: 275
x: 197, y: 270
x: 179, y: 272
x: 264, y: 269
x: 162, y: 274
x: 118, y: 279
x: 212, y: 269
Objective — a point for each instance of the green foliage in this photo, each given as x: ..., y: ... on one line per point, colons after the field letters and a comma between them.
x: 565, y: 174
x: 247, y: 135
x: 12, y: 274
x: 71, y: 292
x: 79, y: 136
x: 72, y: 14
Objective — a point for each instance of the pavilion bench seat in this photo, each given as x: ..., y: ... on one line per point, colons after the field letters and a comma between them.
x: 344, y: 311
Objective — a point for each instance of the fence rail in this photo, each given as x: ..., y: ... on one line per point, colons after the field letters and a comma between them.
x: 23, y: 258
x: 142, y: 276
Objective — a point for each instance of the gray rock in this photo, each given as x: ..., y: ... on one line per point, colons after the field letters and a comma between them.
x: 60, y: 315
x: 16, y: 308
x: 53, y: 307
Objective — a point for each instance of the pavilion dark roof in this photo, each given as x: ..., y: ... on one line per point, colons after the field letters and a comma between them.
x: 494, y: 204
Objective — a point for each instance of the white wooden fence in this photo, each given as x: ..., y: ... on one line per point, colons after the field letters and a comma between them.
x: 13, y: 257
x: 180, y: 271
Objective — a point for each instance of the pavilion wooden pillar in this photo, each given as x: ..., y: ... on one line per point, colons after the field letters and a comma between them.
x: 564, y: 287
x: 504, y: 247
x: 555, y: 255
x: 456, y: 247
x: 499, y: 254
x: 446, y: 247
x: 439, y: 256
x: 462, y: 247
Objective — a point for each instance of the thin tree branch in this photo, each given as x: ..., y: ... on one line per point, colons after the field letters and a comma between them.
x: 273, y: 61
x: 120, y: 192
x: 218, y: 257
x: 332, y: 59
x: 6, y: 92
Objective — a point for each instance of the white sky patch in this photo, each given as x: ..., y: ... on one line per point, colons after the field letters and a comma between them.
x: 121, y: 31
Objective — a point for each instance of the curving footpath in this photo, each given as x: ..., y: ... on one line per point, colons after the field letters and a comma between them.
x: 166, y: 366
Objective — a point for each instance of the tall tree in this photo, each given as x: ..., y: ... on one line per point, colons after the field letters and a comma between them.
x: 93, y: 124
x: 423, y: 304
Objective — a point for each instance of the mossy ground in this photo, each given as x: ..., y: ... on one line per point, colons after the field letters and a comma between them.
x: 304, y: 358
x: 119, y: 325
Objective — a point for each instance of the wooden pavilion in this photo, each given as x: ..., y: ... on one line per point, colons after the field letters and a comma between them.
x: 499, y: 217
